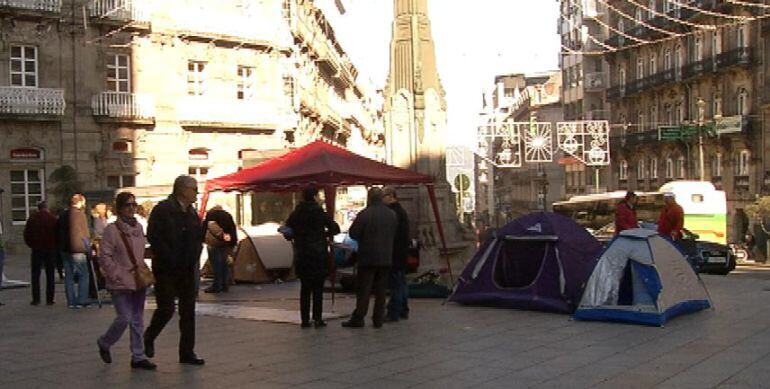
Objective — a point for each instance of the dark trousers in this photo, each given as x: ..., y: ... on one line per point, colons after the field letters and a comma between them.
x: 43, y: 259
x: 170, y: 287
x: 315, y: 287
x: 371, y: 279
x: 218, y: 260
x: 398, y: 307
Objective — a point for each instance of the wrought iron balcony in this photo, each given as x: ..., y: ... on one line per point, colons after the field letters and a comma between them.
x: 119, y: 105
x: 741, y: 56
x: 31, y: 101
x: 121, y: 10
x: 52, y: 6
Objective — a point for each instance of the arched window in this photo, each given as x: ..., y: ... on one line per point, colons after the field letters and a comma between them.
x: 716, y: 105
x: 653, y: 64
x: 651, y: 9
x: 680, y: 167
x: 743, y: 162
x: 622, y: 78
x: 742, y: 101
x: 640, y: 121
x: 716, y: 43
x: 716, y: 165
x: 623, y: 125
x: 623, y: 170
x: 654, y: 117
x: 621, y: 25
x: 741, y: 35
x: 669, y: 114
x: 697, y: 52
x: 678, y: 59
x: 640, y: 170
x: 669, y: 168
x: 653, y: 168
x: 639, y: 68
x: 639, y: 15
x: 667, y: 59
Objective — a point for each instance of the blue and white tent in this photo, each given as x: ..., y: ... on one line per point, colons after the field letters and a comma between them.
x: 641, y: 278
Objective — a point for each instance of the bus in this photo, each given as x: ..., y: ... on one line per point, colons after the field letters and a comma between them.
x: 705, y: 208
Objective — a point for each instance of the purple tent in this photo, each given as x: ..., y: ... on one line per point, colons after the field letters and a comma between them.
x: 540, y: 261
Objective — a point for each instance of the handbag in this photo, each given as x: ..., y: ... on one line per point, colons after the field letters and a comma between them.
x: 214, y: 235
x: 142, y: 274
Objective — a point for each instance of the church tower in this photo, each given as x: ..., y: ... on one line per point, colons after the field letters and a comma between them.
x: 415, y: 108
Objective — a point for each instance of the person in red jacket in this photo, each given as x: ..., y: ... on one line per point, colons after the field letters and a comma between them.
x: 40, y: 236
x: 671, y: 220
x: 625, y: 213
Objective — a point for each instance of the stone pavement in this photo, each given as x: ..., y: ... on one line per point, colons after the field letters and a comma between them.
x: 440, y: 346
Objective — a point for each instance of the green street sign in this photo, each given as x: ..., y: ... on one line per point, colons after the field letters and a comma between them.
x: 669, y: 133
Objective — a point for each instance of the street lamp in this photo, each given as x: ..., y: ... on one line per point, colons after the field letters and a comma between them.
x: 701, y: 116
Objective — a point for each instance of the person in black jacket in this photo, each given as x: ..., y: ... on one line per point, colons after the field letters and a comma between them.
x: 375, y: 230
x: 221, y: 238
x: 176, y: 239
x: 398, y: 308
x: 312, y: 228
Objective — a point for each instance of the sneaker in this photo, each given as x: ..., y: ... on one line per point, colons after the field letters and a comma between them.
x: 104, y: 353
x: 143, y: 365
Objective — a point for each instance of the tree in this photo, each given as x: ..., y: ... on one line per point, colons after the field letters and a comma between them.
x: 760, y: 213
x: 64, y: 183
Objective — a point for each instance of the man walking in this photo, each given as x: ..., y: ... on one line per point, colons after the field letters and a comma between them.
x: 398, y: 308
x: 176, y: 238
x: 74, y: 243
x: 625, y: 213
x: 40, y: 236
x: 671, y: 220
x: 374, y: 229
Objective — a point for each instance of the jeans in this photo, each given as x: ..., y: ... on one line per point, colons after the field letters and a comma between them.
x: 218, y: 258
x: 43, y: 259
x: 169, y: 287
x: 397, y: 305
x: 129, y: 305
x: 314, y: 287
x: 76, y: 263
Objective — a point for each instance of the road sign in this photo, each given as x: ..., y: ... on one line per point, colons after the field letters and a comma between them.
x: 669, y: 133
x: 462, y: 182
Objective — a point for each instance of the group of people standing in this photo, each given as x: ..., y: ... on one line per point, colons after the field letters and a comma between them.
x: 670, y: 221
x: 382, y: 233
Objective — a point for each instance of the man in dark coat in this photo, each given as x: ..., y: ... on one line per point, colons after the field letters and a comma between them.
x: 312, y: 228
x: 375, y: 230
x: 40, y: 235
x: 398, y: 307
x: 176, y: 239
x: 221, y: 238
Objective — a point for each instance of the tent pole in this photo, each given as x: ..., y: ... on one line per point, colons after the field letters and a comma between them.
x: 330, y: 194
x: 204, y: 202
x: 434, y: 205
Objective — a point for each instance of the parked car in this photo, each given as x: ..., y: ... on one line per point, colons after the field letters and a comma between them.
x: 704, y: 256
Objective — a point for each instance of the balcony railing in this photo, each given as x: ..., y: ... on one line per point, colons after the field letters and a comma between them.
x: 119, y: 105
x: 210, y: 111
x: 31, y: 101
x: 121, y: 10
x: 739, y: 56
x: 206, y: 19
x: 33, y: 5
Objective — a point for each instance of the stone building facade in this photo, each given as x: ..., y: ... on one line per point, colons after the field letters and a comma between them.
x: 692, y: 106
x: 132, y: 93
x: 507, y: 192
x: 584, y: 82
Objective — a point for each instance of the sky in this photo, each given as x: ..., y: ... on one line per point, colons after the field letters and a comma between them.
x: 475, y: 40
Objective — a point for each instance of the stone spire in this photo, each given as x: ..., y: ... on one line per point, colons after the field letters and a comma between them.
x: 415, y: 108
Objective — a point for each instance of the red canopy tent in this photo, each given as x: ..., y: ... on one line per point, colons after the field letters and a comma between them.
x: 322, y: 165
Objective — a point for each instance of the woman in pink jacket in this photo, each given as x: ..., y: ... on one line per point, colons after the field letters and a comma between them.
x: 117, y: 265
